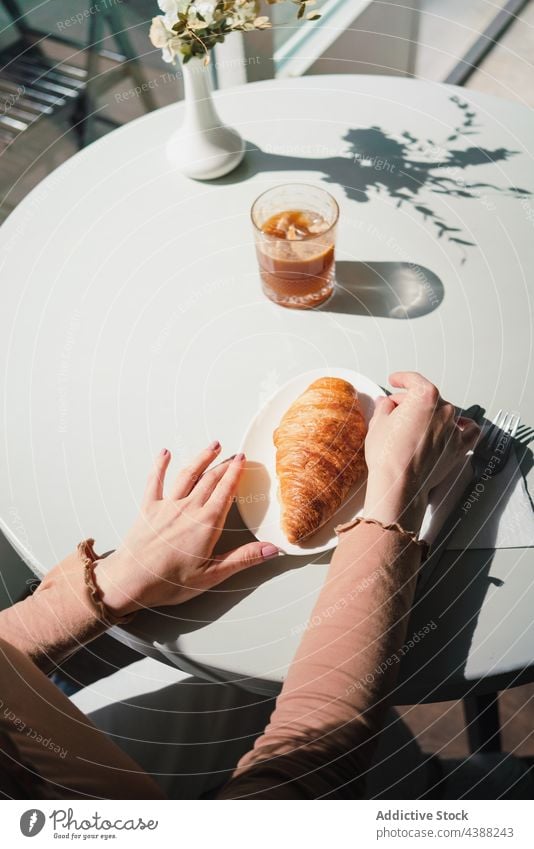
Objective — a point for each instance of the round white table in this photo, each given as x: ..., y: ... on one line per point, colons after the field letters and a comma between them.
x: 132, y: 318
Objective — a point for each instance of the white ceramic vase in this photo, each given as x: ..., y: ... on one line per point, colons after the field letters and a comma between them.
x: 203, y: 148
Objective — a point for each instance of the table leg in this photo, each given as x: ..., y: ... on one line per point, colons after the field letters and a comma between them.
x: 482, y: 721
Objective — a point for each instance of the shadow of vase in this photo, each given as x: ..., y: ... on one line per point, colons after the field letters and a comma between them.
x: 399, y: 290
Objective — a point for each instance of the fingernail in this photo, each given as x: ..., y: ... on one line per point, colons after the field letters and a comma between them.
x: 239, y: 457
x: 269, y: 550
x: 164, y: 452
x: 214, y: 445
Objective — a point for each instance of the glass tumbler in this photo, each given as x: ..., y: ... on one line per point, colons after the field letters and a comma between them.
x: 295, y: 233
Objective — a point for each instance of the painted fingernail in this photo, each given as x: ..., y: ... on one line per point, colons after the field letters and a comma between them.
x: 164, y: 452
x: 269, y: 550
x: 239, y: 457
x: 214, y: 445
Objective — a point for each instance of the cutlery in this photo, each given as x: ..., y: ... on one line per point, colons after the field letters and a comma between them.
x: 525, y: 434
x: 495, y: 443
x: 490, y: 455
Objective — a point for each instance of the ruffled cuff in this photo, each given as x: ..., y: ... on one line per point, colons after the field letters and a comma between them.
x: 65, y: 612
x: 89, y: 558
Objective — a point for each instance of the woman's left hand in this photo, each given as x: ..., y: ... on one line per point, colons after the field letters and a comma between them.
x: 167, y: 556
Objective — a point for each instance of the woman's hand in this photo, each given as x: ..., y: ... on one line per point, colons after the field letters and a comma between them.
x: 167, y: 556
x: 414, y: 441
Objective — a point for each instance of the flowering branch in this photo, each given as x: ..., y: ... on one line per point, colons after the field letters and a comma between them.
x: 193, y: 27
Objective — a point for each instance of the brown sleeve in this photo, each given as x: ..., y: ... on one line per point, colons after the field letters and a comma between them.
x: 63, y: 613
x: 323, y: 731
x: 50, y: 750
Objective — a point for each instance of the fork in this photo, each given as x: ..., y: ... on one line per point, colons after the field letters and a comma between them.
x: 525, y: 434
x: 495, y: 442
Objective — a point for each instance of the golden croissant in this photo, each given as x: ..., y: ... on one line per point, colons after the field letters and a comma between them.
x: 319, y: 455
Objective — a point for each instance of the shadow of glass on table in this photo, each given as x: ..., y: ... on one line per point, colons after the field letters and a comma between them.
x: 400, y: 290
x: 409, y: 170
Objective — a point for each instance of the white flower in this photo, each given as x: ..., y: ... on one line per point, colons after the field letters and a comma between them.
x: 244, y: 12
x: 159, y: 33
x: 193, y: 27
x: 161, y: 36
x: 170, y: 8
x: 205, y: 8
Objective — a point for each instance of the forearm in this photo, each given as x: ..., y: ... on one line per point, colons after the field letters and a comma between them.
x: 61, y: 615
x: 322, y: 732
x: 321, y: 736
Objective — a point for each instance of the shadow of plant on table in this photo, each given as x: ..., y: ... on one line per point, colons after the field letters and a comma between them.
x: 403, y: 167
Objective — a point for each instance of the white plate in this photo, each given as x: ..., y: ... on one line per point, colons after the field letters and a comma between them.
x: 257, y: 497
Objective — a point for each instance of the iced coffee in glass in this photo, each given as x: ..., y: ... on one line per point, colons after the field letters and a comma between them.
x: 295, y: 233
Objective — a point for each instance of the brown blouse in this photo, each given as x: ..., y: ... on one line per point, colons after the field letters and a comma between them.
x: 321, y: 735
x: 325, y: 726
x: 48, y: 748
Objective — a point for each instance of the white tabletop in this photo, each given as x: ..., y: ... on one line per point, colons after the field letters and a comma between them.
x: 132, y: 319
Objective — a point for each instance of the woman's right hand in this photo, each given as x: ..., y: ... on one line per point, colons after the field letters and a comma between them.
x: 414, y: 441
